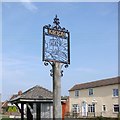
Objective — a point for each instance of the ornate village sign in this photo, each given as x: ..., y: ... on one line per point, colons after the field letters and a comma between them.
x: 56, y: 46
x: 56, y: 52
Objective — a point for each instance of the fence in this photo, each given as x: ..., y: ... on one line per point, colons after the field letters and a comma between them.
x: 91, y: 115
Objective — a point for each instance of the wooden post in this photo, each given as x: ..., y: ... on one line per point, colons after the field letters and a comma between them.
x: 29, y: 114
x: 57, y: 91
x: 38, y: 111
x: 22, y: 111
x: 18, y: 107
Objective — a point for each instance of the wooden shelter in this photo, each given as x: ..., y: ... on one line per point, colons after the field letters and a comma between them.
x: 35, y: 103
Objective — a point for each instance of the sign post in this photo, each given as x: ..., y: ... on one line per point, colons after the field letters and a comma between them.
x: 56, y: 52
x: 57, y: 112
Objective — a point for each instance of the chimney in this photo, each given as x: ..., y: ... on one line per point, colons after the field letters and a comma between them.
x: 20, y: 92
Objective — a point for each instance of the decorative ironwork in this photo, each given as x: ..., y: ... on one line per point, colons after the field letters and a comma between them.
x: 51, y: 72
x: 45, y: 63
x: 52, y: 64
x: 56, y: 46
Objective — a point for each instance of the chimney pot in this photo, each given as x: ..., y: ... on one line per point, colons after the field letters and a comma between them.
x: 20, y: 92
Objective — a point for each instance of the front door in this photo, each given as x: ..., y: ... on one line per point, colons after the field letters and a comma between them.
x: 84, y: 108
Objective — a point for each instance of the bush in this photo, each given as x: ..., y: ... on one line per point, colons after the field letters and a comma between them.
x: 100, y: 118
x: 119, y: 116
x: 12, y: 109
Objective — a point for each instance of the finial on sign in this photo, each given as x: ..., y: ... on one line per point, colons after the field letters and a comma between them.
x: 56, y: 21
x: 56, y: 15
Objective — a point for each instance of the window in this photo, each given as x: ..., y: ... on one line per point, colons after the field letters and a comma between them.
x: 104, y: 108
x: 75, y: 108
x: 76, y: 93
x: 91, y: 108
x: 116, y: 108
x: 115, y: 92
x: 90, y: 91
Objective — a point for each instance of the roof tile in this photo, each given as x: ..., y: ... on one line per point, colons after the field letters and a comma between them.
x: 99, y: 83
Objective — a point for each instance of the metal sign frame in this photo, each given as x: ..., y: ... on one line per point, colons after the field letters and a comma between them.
x: 56, y: 43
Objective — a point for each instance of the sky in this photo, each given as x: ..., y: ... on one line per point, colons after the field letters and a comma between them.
x: 93, y: 30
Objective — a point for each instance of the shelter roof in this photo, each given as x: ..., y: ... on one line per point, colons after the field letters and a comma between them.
x: 35, y: 94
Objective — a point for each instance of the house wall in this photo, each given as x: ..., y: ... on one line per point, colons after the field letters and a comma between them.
x: 119, y: 100
x: 102, y: 96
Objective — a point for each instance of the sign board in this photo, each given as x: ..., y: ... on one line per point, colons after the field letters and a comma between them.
x: 56, y: 44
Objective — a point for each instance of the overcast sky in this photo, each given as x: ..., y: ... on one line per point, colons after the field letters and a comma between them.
x: 94, y: 43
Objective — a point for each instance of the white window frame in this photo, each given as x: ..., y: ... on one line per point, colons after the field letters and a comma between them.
x: 114, y: 108
x: 76, y: 93
x: 115, y: 92
x: 75, y: 108
x: 90, y: 93
x: 91, y: 108
x: 104, y: 106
